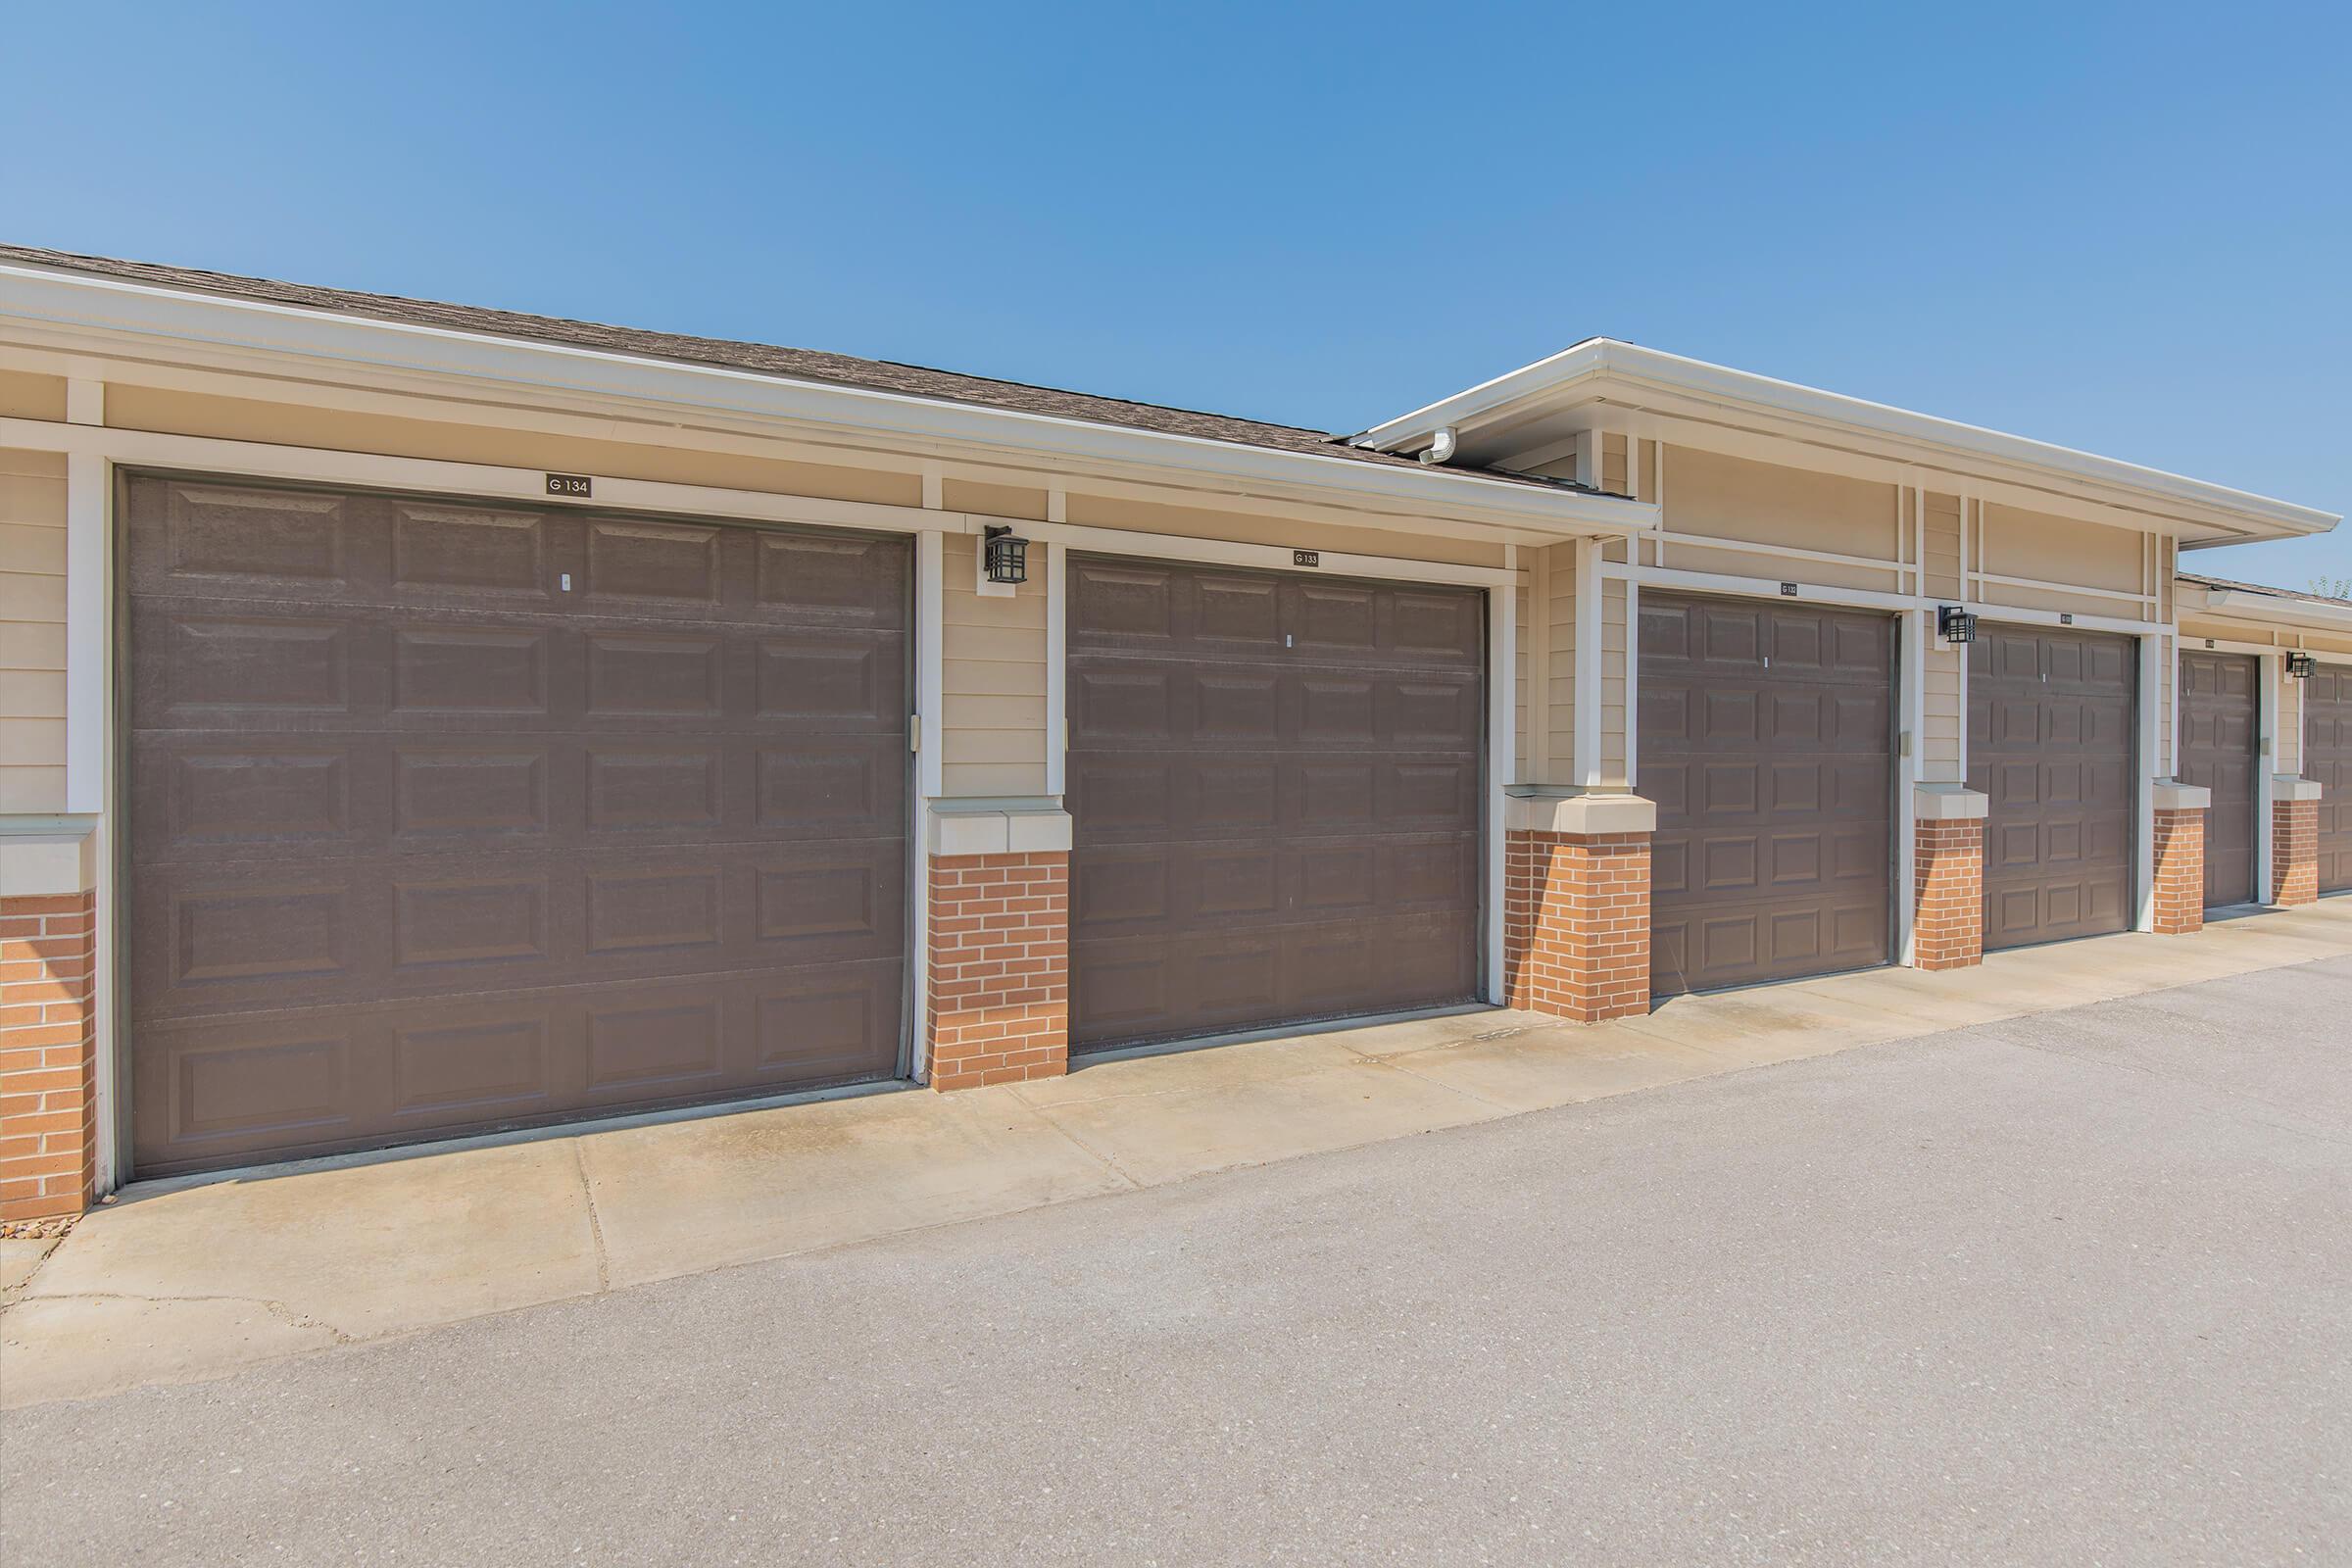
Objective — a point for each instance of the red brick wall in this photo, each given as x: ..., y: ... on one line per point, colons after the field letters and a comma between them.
x: 1947, y: 900
x: 1576, y: 923
x: 1000, y: 983
x: 2179, y: 872
x: 48, y: 1061
x: 2294, y: 851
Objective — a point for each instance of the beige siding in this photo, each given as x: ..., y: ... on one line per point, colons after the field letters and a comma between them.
x: 32, y: 631
x: 1523, y: 765
x: 2059, y: 553
x: 2167, y: 599
x: 1942, y: 547
x: 1760, y: 507
x: 993, y: 499
x: 135, y: 408
x: 1560, y: 656
x: 1203, y: 522
x: 1615, y: 476
x: 25, y: 396
x: 992, y: 687
x: 1941, y: 721
x: 1942, y: 716
x: 1613, y: 685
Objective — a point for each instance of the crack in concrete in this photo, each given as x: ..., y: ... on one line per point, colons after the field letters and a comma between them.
x: 1079, y: 1144
x: 596, y: 1223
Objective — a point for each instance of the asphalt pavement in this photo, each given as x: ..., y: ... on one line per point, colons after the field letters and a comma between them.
x: 2074, y: 1288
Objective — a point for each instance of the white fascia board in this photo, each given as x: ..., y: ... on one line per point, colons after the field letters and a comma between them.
x: 145, y: 314
x: 1600, y: 368
x: 2270, y: 609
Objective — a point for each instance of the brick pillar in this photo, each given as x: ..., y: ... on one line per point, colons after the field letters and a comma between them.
x: 2295, y: 843
x: 48, y: 1056
x: 1947, y: 894
x: 1576, y: 918
x: 998, y: 1007
x: 2181, y: 871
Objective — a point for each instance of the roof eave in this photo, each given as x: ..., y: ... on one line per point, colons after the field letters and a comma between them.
x: 1605, y: 368
x: 2273, y: 609
x: 62, y: 300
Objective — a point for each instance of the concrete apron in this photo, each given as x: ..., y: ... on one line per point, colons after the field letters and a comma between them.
x: 189, y: 1282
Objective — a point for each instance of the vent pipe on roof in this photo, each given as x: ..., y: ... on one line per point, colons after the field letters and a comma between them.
x: 1441, y: 445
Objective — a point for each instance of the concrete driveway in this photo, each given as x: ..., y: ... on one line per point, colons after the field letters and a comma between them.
x: 2070, y: 1287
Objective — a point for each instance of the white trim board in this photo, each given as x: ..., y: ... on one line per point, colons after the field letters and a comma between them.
x: 82, y: 311
x: 1269, y: 558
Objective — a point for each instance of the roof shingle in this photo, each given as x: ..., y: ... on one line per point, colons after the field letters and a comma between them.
x: 803, y: 364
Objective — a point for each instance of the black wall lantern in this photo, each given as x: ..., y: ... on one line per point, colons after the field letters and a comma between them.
x: 1954, y: 624
x: 1007, y: 555
x: 2301, y: 666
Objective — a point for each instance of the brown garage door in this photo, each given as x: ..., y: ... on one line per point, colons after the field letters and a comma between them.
x: 2217, y: 752
x: 1766, y: 736
x: 2328, y: 757
x: 1275, y: 783
x: 2050, y: 745
x: 446, y: 817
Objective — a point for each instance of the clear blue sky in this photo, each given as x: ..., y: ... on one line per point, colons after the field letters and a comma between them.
x: 2124, y: 228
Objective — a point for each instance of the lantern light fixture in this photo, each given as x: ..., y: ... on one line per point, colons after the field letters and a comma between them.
x: 1007, y: 556
x: 2300, y: 664
x: 1954, y: 624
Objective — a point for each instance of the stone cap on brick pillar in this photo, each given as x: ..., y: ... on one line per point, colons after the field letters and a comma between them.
x: 1545, y: 808
x: 2287, y: 787
x: 2171, y: 797
x: 43, y: 856
x: 1948, y: 803
x: 1027, y: 825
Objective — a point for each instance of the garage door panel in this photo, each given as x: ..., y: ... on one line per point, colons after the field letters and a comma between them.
x: 1134, y: 991
x: 1138, y: 889
x: 440, y: 840
x: 1768, y: 939
x: 1773, y: 850
x: 2325, y: 698
x: 214, y: 939
x: 1266, y: 772
x: 2054, y: 758
x: 2218, y: 721
x: 289, y: 1084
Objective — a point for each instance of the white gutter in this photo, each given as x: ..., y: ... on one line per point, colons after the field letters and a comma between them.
x: 72, y: 302
x: 1629, y: 365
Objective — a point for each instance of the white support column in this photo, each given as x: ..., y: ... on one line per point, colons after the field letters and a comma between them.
x: 1501, y: 699
x: 88, y: 516
x: 1058, y: 649
x: 89, y: 730
x: 1911, y: 705
x: 930, y: 738
x: 2143, y: 806
x: 1587, y: 760
x: 2170, y: 660
x: 2268, y: 669
x: 1536, y: 766
x: 1632, y: 681
x: 1665, y: 522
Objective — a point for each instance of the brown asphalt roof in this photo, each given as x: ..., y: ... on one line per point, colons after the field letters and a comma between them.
x: 2261, y: 588
x: 803, y: 364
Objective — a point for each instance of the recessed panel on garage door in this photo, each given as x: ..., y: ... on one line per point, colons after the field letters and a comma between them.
x: 2326, y: 699
x: 1766, y: 740
x: 424, y: 841
x: 2217, y: 751
x: 1275, y: 783
x: 2051, y: 744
